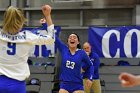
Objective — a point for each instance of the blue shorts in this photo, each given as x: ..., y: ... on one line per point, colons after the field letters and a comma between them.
x: 8, y: 85
x: 71, y: 87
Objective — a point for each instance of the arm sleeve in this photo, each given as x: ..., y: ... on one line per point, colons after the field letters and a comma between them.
x: 59, y: 44
x: 47, y: 39
x: 51, y: 31
x: 97, y: 62
x: 90, y: 67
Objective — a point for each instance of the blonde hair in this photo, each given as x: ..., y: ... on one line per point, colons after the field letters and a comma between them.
x: 13, y: 20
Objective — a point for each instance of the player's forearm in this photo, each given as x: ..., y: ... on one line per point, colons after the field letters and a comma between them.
x: 138, y: 80
x: 49, y: 20
x: 91, y: 72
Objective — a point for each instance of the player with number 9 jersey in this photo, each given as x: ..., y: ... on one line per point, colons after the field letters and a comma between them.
x: 16, y: 46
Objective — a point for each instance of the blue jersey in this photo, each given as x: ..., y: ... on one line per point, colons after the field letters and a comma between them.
x: 96, y: 63
x: 71, y: 64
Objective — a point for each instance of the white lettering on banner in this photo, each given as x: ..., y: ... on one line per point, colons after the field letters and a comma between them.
x: 127, y: 43
x: 105, y: 43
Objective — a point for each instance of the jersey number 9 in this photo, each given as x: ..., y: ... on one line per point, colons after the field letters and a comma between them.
x: 12, y: 48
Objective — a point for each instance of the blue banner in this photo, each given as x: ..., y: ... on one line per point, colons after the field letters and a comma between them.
x: 115, y: 42
x: 43, y: 50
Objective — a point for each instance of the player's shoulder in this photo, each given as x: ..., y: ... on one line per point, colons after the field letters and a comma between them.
x: 26, y: 32
x: 94, y: 53
x: 81, y: 51
x: 29, y: 34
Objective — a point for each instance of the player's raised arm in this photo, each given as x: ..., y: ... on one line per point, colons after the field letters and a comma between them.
x: 46, y: 9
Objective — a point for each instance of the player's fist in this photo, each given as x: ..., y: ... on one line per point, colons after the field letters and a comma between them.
x: 46, y: 9
x: 128, y: 80
x: 43, y: 20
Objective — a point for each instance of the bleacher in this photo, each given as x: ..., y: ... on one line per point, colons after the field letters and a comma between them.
x: 43, y: 73
x: 110, y: 72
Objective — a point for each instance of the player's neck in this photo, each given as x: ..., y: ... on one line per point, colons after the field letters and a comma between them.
x: 72, y: 50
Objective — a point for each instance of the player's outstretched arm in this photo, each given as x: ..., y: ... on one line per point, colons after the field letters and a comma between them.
x: 129, y: 80
x: 46, y: 9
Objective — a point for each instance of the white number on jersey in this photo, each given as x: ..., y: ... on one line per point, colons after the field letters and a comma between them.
x: 70, y: 64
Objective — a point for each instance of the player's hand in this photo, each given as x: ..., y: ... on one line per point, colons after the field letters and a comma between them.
x: 82, y: 70
x: 88, y: 83
x: 43, y: 20
x: 128, y: 80
x: 46, y: 9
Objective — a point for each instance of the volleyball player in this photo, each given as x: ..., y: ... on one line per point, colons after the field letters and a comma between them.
x: 72, y: 59
x: 15, y: 48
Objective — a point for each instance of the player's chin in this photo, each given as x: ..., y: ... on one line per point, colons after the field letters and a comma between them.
x: 72, y: 45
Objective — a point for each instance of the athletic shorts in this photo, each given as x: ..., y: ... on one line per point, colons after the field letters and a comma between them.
x: 71, y: 87
x: 8, y: 85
